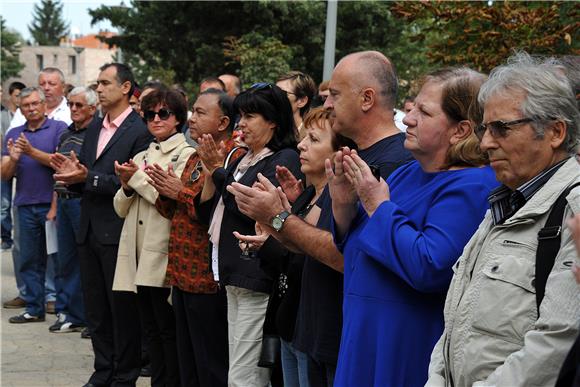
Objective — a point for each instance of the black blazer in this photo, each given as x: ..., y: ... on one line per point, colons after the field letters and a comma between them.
x: 102, y: 184
x: 233, y: 270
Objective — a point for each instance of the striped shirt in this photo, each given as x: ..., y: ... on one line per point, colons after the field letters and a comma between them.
x: 504, y: 202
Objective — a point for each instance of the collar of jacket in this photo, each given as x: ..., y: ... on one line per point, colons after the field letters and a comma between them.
x: 168, y: 145
x: 543, y: 200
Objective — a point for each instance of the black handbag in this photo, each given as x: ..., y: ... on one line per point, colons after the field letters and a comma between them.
x: 270, y: 351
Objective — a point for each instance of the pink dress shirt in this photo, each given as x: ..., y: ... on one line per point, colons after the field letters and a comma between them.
x: 109, y: 128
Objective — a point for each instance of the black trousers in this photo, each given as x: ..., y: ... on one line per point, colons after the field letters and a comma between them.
x: 112, y: 317
x: 158, y: 325
x: 202, y: 337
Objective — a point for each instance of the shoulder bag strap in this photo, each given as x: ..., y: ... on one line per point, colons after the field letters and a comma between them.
x: 549, y: 239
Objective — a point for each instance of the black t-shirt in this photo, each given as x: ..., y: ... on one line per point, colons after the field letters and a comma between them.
x: 319, y: 321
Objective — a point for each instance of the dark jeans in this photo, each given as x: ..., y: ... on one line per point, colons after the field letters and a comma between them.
x: 69, y: 296
x: 5, y: 210
x: 112, y: 317
x: 202, y: 338
x: 158, y: 324
x: 32, y: 265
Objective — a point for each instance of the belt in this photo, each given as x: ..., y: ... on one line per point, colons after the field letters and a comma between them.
x: 66, y: 195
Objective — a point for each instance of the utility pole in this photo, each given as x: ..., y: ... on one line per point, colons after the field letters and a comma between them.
x: 329, y: 39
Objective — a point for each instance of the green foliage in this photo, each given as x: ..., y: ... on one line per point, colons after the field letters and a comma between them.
x: 261, y: 59
x: 483, y: 36
x: 9, y: 61
x: 48, y: 26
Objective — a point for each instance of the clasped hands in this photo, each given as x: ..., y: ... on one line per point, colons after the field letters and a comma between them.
x: 68, y: 170
x: 19, y: 147
x: 352, y: 179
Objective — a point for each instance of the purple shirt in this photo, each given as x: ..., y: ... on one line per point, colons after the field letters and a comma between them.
x: 34, y: 182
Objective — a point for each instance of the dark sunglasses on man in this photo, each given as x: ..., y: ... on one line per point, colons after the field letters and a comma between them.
x: 499, y: 128
x: 163, y: 114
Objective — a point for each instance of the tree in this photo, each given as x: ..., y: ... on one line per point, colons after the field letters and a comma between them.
x: 9, y: 60
x: 483, y: 35
x: 257, y: 40
x: 48, y: 26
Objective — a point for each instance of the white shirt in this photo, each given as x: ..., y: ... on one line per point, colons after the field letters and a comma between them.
x: 61, y: 113
x: 399, y: 115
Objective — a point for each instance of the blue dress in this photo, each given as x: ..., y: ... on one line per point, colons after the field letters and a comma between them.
x: 397, y: 268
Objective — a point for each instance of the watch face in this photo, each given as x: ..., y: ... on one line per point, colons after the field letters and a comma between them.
x: 277, y: 223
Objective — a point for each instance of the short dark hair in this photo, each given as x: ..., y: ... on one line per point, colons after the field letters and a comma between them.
x: 124, y: 74
x: 226, y: 105
x: 272, y: 103
x: 15, y: 86
x: 170, y: 98
x: 214, y: 80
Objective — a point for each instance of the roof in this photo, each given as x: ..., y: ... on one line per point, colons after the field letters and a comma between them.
x: 91, y: 40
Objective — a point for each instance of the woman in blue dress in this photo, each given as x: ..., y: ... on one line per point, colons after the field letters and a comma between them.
x: 401, y: 239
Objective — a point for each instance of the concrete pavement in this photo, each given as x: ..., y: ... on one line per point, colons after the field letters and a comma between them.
x: 33, y: 357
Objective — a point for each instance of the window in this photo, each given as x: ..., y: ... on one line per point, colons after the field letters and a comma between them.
x: 72, y: 64
x: 39, y: 62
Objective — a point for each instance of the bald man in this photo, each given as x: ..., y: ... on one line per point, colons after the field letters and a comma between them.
x: 363, y: 91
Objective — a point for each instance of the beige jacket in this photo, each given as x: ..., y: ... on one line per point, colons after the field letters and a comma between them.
x: 493, y: 336
x: 142, y: 256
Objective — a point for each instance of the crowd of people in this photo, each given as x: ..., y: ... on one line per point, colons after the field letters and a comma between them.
x: 290, y: 234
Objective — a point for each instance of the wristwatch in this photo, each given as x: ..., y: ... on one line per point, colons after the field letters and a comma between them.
x: 278, y: 221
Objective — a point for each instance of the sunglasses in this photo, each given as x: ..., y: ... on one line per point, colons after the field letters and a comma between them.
x: 499, y: 128
x: 260, y: 86
x: 163, y: 114
x: 78, y: 105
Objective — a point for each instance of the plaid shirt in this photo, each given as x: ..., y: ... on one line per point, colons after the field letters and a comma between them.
x: 189, y: 260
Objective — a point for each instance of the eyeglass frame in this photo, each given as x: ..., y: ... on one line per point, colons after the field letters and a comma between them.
x: 147, y: 115
x: 504, y: 126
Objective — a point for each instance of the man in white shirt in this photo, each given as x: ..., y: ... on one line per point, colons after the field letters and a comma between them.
x: 51, y: 81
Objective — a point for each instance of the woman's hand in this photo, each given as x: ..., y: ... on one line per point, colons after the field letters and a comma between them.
x: 211, y: 154
x: 125, y: 172
x: 370, y: 191
x: 252, y: 242
x: 165, y: 182
x: 289, y: 184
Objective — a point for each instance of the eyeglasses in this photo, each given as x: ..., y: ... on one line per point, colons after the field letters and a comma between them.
x: 78, y: 105
x: 163, y: 114
x: 499, y: 128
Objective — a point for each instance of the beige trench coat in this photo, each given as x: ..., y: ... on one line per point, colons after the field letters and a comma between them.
x: 493, y: 336
x: 142, y: 256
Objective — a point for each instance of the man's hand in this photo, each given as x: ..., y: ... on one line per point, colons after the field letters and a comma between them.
x: 371, y: 191
x: 165, y: 182
x: 260, y: 203
x: 14, y: 151
x: 341, y: 189
x: 125, y: 172
x: 51, y: 214
x: 24, y: 145
x: 290, y: 185
x: 68, y: 171
x: 211, y: 155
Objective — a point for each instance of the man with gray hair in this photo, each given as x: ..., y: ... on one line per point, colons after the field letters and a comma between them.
x: 26, y: 155
x: 512, y: 309
x: 69, y: 303
x: 51, y: 81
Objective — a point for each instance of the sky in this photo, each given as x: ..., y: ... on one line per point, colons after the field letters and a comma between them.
x: 18, y: 15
